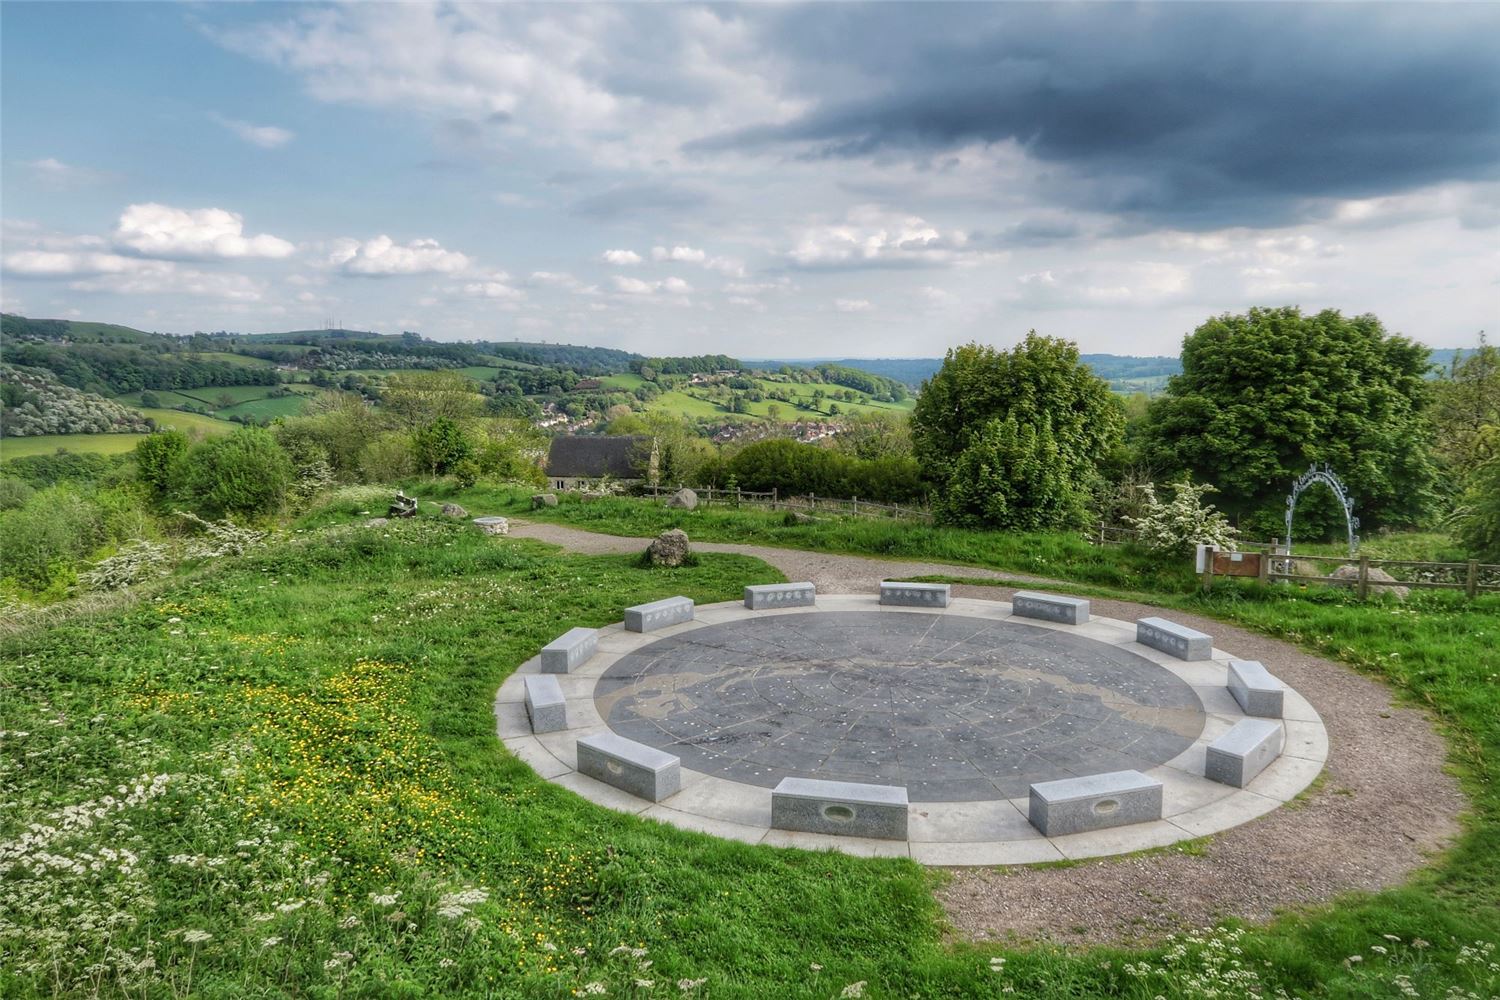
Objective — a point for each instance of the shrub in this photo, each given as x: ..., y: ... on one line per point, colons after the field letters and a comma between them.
x: 1011, y: 476
x: 138, y: 561
x: 14, y: 493
x: 1186, y: 521
x: 1478, y: 516
x: 440, y: 446
x: 388, y: 459
x: 46, y: 537
x: 156, y: 458
x: 243, y: 473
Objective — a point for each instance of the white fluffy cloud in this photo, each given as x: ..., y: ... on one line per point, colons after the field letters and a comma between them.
x: 687, y: 255
x: 264, y: 136
x: 51, y: 172
x: 494, y: 290
x: 635, y: 286
x: 382, y: 257
x: 67, y: 264
x: 871, y: 237
x: 161, y: 231
x: 852, y: 305
x: 621, y: 258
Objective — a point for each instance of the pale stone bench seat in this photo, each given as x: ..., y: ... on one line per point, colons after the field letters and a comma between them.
x: 545, y: 705
x: 914, y: 595
x: 844, y: 808
x: 1246, y: 750
x: 1177, y: 640
x: 780, y: 595
x: 659, y: 614
x: 1094, y: 802
x: 1050, y: 607
x: 571, y: 649
x: 632, y: 767
x: 1255, y: 689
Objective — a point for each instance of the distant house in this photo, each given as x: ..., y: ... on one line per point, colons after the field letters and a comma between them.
x: 573, y: 462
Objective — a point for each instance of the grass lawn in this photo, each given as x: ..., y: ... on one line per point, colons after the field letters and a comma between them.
x: 46, y: 444
x: 278, y: 776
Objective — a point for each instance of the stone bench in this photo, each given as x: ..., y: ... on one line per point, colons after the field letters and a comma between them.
x: 1255, y: 689
x: 632, y: 767
x: 659, y: 614
x: 1178, y: 640
x: 569, y: 650
x: 1050, y: 607
x: 545, y: 705
x: 1094, y: 802
x: 845, y: 808
x: 914, y: 595
x: 780, y: 595
x: 1240, y: 754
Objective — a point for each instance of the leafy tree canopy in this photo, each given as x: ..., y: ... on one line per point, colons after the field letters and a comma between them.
x: 1265, y: 394
x: 1015, y: 438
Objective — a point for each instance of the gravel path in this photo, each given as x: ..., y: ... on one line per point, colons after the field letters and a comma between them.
x: 1384, y: 805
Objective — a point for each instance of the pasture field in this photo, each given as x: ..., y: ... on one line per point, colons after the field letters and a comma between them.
x: 46, y: 444
x: 188, y: 423
x: 293, y: 787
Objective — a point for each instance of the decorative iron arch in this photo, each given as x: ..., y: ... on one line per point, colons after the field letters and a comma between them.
x: 1323, y: 474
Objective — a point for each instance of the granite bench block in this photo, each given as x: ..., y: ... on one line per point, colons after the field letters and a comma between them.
x: 844, y: 808
x: 571, y: 649
x: 545, y: 705
x: 1094, y: 802
x: 1246, y: 750
x: 780, y: 595
x: 1050, y: 607
x: 914, y: 595
x: 659, y: 614
x: 1255, y: 689
x: 1177, y: 640
x: 632, y: 767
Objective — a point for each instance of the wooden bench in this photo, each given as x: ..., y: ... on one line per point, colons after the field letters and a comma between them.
x: 545, y: 705
x: 845, y: 808
x: 1050, y: 607
x: 1177, y: 640
x: 569, y: 650
x: 630, y: 766
x: 915, y: 595
x: 1255, y: 689
x: 659, y: 614
x: 1094, y: 802
x: 780, y: 595
x: 1246, y: 750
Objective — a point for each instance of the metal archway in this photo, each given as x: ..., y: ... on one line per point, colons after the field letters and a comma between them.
x: 1323, y: 474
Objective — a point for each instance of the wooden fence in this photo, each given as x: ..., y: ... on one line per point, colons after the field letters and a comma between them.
x: 811, y: 503
x: 1268, y: 565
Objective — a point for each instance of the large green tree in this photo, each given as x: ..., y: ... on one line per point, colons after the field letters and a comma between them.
x: 1265, y: 394
x: 1015, y: 439
x: 1466, y: 411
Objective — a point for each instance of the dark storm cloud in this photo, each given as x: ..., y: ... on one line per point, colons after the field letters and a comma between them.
x: 1179, y: 113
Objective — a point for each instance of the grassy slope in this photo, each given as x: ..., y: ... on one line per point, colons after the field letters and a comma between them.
x: 333, y: 693
x: 46, y: 444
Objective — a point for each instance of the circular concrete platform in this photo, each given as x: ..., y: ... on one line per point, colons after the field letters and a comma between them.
x: 965, y: 707
x: 952, y: 707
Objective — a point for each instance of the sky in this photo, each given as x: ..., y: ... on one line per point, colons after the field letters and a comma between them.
x: 825, y: 180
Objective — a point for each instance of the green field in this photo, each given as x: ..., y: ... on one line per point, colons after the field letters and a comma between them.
x: 188, y: 423
x: 249, y: 401
x: 46, y: 444
x: 238, y: 359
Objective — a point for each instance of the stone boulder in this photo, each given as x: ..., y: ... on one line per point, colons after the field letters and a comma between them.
x: 454, y: 510
x: 540, y: 500
x: 670, y: 548
x: 493, y: 525
x: 1350, y: 575
x: 684, y: 499
x: 794, y: 517
x: 376, y: 522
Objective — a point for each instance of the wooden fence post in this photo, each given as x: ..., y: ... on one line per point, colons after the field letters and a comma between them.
x: 856, y: 506
x: 1265, y: 565
x: 1208, y: 568
x: 812, y: 499
x: 1364, y: 577
x: 1471, y: 584
x: 773, y: 498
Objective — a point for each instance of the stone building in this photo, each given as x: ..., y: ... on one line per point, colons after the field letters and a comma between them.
x: 575, y: 462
